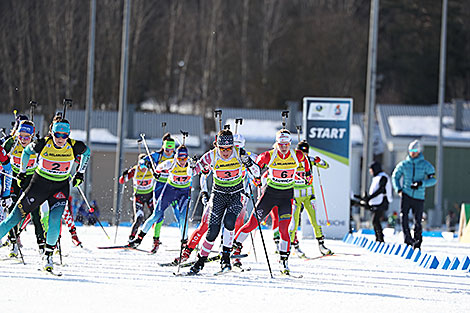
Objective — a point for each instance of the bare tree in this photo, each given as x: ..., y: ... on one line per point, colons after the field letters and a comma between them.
x: 175, y: 14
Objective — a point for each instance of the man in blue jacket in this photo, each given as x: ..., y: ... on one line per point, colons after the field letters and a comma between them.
x: 417, y: 174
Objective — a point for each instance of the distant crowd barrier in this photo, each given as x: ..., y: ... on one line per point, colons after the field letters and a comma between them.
x: 425, y: 260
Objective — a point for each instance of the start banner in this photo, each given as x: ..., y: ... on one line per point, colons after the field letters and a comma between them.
x: 327, y: 129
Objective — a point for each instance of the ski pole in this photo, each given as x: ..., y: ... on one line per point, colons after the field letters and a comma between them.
x: 185, y: 222
x: 59, y: 247
x: 261, y: 233
x: 323, y: 197
x: 254, y: 249
x: 195, y: 206
x: 18, y: 245
x: 11, y: 176
x: 89, y: 209
x: 118, y: 219
x: 154, y: 167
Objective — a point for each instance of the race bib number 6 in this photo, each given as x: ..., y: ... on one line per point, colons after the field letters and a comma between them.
x: 282, y: 174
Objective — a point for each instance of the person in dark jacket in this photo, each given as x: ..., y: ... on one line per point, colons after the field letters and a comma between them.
x: 410, y: 179
x: 380, y: 195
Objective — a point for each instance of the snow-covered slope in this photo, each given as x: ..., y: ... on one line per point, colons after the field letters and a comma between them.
x: 354, y: 280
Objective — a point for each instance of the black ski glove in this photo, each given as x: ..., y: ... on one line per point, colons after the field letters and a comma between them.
x: 21, y: 181
x: 77, y: 179
x: 415, y: 185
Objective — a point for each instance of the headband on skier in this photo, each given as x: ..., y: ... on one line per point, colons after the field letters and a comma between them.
x: 60, y: 127
x: 182, y: 152
x: 169, y: 145
x: 283, y: 137
x: 25, y: 128
x: 225, y: 140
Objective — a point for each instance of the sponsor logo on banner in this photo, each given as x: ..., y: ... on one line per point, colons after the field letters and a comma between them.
x: 332, y: 111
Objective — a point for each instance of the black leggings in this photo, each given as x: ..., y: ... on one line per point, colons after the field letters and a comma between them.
x: 417, y: 208
x: 140, y: 200
x: 35, y: 215
x: 226, y: 205
x: 377, y: 215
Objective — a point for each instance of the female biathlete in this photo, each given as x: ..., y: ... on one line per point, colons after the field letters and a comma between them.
x: 167, y: 152
x: 196, y: 236
x: 175, y: 193
x: 304, y: 195
x: 14, y: 145
x: 143, y: 183
x: 282, y: 164
x: 50, y: 182
x: 226, y: 163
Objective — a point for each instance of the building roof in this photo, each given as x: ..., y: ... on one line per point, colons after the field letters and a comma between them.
x: 404, y: 122
x: 260, y: 125
x: 142, y: 122
x: 7, y: 119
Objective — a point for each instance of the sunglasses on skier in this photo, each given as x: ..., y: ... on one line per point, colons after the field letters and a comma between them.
x: 223, y: 149
x: 24, y: 137
x: 61, y: 135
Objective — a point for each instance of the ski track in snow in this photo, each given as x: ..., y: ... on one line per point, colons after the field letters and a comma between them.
x: 127, y: 281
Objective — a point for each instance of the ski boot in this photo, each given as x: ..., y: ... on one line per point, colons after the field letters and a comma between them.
x: 156, y: 245
x: 225, y: 264
x: 284, y: 263
x: 131, y: 238
x: 417, y: 244
x: 75, y: 240
x: 321, y: 245
x: 41, y: 246
x: 184, y: 256
x: 13, y: 249
x: 134, y: 243
x: 6, y: 243
x: 48, y: 265
x: 237, y: 249
x: 298, y: 251
x: 199, y: 265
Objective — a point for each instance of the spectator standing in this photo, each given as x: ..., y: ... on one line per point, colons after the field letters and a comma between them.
x: 410, y: 179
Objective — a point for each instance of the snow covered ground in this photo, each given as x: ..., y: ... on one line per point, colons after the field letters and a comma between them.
x: 354, y: 280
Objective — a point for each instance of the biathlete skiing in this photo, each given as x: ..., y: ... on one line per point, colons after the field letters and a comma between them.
x: 175, y: 193
x: 304, y: 196
x: 282, y: 164
x: 167, y: 152
x: 200, y: 231
x: 50, y: 182
x: 226, y: 163
x: 143, y: 183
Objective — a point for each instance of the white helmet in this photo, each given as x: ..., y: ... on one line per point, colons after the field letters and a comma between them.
x: 239, y: 140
